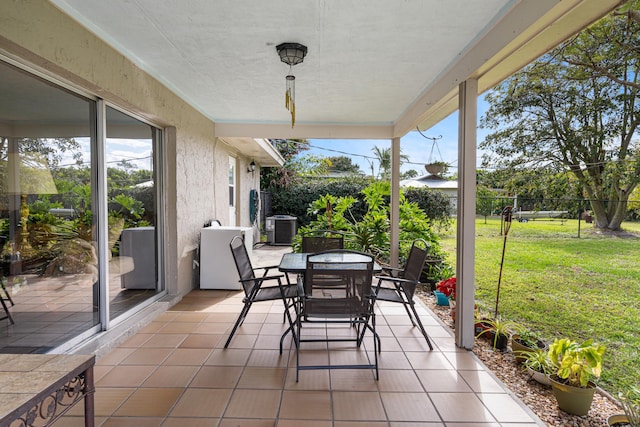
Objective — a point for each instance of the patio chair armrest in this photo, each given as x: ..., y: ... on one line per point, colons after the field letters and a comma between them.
x: 263, y: 278
x: 391, y: 271
x: 395, y: 279
x: 266, y: 268
x: 408, y: 286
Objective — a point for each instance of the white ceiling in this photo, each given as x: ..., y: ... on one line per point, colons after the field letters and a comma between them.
x: 374, y: 69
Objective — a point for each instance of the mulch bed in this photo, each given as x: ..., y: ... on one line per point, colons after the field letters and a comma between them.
x: 537, y: 397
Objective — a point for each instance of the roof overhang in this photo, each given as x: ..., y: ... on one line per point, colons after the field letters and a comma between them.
x: 258, y: 149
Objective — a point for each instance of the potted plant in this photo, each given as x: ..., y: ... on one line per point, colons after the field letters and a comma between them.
x: 480, y: 321
x: 538, y: 365
x: 499, y: 331
x: 630, y: 402
x: 525, y: 340
x: 436, y: 168
x: 447, y: 288
x: 577, y: 366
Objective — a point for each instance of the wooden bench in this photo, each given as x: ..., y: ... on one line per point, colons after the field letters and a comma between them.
x: 37, y: 389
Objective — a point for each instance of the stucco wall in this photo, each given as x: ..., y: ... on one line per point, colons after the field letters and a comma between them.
x: 35, y: 33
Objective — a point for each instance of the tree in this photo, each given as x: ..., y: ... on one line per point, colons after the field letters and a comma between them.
x: 383, y: 155
x: 309, y: 165
x: 285, y: 175
x: 343, y: 164
x: 411, y: 173
x: 484, y: 201
x: 560, y: 116
x: 587, y: 50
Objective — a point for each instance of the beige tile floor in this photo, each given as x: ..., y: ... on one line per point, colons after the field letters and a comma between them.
x: 175, y: 372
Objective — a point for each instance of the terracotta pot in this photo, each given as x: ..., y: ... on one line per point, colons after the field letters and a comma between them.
x: 481, y: 326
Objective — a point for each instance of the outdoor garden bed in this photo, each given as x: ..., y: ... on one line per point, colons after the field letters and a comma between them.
x: 537, y: 397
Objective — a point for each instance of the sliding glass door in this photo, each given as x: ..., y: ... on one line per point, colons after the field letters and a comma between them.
x: 50, y: 248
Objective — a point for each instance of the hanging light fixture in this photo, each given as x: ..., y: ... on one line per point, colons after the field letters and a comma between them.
x: 291, y: 54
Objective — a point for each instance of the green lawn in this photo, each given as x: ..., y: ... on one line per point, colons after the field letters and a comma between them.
x: 565, y: 286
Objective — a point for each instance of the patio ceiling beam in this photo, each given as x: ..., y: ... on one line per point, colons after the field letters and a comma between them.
x: 303, y: 131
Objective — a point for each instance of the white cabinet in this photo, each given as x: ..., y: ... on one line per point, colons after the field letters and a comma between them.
x: 217, y: 268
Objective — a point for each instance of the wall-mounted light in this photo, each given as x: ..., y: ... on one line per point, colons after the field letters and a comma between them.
x: 252, y: 167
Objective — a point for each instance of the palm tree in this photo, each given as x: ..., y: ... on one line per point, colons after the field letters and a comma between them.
x: 384, y: 159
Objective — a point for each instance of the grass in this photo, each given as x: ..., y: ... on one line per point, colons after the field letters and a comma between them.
x: 565, y: 286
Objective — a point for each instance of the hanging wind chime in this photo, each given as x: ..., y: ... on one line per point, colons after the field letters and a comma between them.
x: 291, y: 54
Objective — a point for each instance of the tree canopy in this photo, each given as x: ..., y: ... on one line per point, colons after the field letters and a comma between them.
x: 576, y: 109
x: 383, y: 155
x: 343, y: 164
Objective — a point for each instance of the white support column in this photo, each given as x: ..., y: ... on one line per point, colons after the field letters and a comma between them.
x: 465, y: 292
x: 99, y: 186
x: 395, y: 201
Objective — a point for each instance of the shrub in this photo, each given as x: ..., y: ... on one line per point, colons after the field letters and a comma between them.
x: 435, y: 204
x: 371, y: 232
x: 297, y: 198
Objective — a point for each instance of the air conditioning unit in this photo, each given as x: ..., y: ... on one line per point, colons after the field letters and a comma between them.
x: 280, y: 229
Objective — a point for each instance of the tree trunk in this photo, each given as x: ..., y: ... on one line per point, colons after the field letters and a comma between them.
x: 600, y: 219
x: 611, y: 221
x: 619, y: 215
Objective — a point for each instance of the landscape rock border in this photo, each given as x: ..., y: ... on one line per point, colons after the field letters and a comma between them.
x: 537, y: 397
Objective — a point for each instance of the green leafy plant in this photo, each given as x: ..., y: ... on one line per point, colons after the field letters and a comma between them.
x: 523, y: 340
x: 528, y: 338
x: 371, y: 232
x: 538, y: 360
x: 577, y: 363
x: 128, y: 206
x: 499, y: 328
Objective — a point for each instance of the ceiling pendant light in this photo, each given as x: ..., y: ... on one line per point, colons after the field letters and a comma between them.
x: 291, y: 54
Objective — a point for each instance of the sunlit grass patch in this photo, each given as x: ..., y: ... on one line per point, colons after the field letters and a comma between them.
x: 565, y: 280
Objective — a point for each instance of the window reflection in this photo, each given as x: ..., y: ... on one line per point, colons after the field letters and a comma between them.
x: 131, y: 193
x: 48, y: 228
x: 48, y: 255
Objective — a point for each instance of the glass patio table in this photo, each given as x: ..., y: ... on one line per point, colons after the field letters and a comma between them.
x: 296, y: 263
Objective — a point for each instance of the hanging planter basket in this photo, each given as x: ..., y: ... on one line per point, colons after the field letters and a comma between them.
x: 434, y: 168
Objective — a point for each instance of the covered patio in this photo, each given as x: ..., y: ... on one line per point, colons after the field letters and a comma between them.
x: 175, y: 372
x: 362, y: 72
x: 208, y: 76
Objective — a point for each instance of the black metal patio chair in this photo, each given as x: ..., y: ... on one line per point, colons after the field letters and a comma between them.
x: 254, y: 288
x: 399, y: 285
x: 322, y: 241
x: 336, y: 288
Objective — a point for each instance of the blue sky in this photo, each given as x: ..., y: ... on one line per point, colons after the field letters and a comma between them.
x: 415, y: 146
